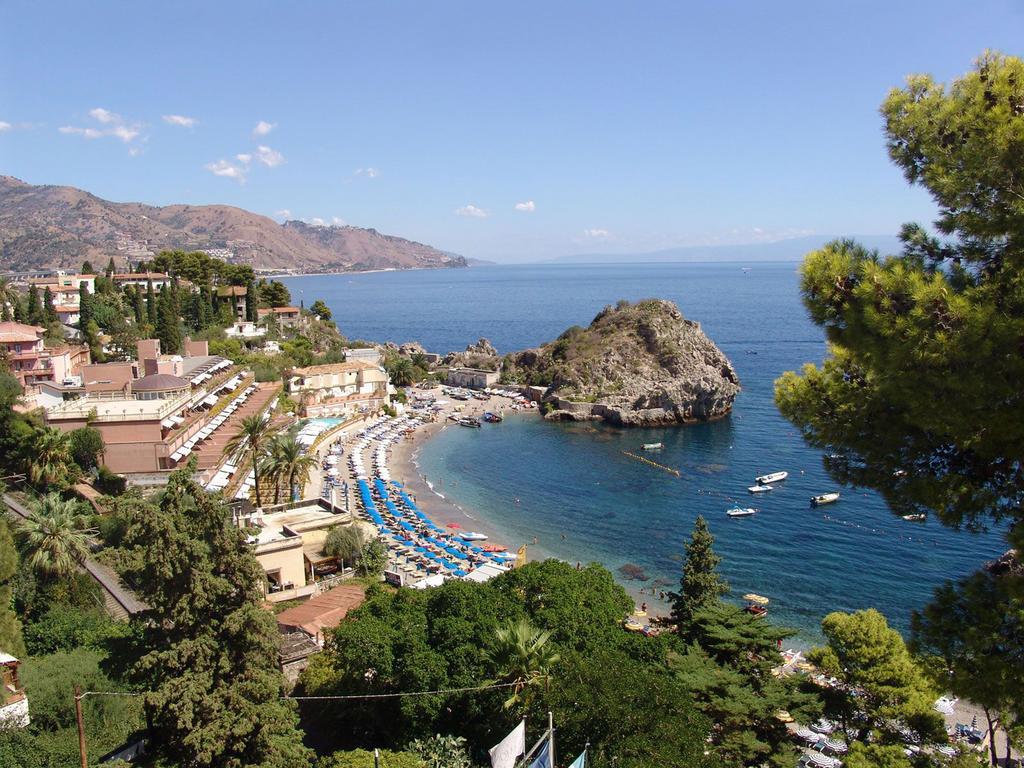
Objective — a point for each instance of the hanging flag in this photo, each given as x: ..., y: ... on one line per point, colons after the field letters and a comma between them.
x: 581, y: 761
x: 543, y: 758
x: 510, y: 749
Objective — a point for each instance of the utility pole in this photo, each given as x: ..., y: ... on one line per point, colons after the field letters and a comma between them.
x: 81, y: 726
x: 551, y: 736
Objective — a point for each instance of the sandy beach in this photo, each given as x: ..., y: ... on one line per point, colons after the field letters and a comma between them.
x: 434, y: 502
x: 444, y: 511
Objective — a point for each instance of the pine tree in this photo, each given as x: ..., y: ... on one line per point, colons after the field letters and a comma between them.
x: 150, y: 304
x: 84, y: 307
x: 168, y: 327
x: 209, y: 657
x: 251, y: 303
x: 87, y: 268
x: 49, y: 310
x: 204, y: 313
x: 35, y: 308
x: 700, y: 586
x: 111, y: 269
x: 138, y: 306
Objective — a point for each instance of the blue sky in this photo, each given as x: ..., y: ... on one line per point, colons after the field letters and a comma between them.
x: 615, y: 127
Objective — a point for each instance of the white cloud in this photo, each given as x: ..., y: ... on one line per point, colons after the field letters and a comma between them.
x: 105, y: 116
x: 125, y: 133
x: 263, y: 128
x: 316, y: 221
x: 227, y: 170
x: 599, y: 234
x: 337, y: 221
x: 528, y: 207
x: 472, y: 211
x: 134, y: 151
x: 181, y: 120
x: 269, y: 157
x: 370, y: 173
x: 244, y: 158
x: 88, y: 133
x: 284, y: 213
x: 4, y: 126
x: 114, y: 125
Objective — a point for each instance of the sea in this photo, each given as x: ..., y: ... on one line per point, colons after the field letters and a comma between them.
x: 570, y: 491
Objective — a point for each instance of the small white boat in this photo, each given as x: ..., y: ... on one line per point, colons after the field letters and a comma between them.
x: 741, y: 512
x: 473, y: 536
x: 761, y: 488
x: 916, y: 518
x: 773, y: 477
x: 825, y: 498
x: 653, y: 446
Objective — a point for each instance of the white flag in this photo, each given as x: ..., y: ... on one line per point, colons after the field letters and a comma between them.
x: 510, y: 749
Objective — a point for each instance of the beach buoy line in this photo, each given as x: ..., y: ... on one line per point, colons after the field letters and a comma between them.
x: 655, y: 464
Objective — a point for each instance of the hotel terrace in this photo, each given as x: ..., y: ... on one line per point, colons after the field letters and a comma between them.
x: 149, y: 423
x: 340, y: 389
x: 288, y: 541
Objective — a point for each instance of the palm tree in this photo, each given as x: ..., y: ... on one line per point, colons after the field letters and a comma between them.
x: 55, y: 535
x: 523, y: 657
x: 254, y: 437
x: 401, y: 372
x: 50, y: 456
x: 296, y: 463
x: 272, y: 466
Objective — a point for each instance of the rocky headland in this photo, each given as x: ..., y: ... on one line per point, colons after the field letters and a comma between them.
x: 640, y: 364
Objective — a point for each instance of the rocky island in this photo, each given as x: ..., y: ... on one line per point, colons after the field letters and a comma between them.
x: 639, y: 364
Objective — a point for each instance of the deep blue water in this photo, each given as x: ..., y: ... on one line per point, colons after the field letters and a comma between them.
x: 573, y: 480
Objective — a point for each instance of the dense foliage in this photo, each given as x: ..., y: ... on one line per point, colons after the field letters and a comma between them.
x: 921, y: 398
x: 208, y: 650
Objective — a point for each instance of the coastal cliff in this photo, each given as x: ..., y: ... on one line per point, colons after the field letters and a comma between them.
x: 640, y: 364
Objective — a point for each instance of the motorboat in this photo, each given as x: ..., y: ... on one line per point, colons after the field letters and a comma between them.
x: 473, y: 536
x: 469, y: 421
x: 761, y: 488
x: 741, y: 512
x: 757, y: 605
x: 916, y: 518
x: 653, y: 446
x: 825, y: 498
x: 772, y: 477
x: 492, y: 418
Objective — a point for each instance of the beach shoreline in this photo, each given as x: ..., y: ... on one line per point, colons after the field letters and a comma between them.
x: 435, y: 501
x: 429, y: 496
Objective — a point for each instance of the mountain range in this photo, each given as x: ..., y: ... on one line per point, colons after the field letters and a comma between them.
x: 44, y: 226
x: 792, y: 249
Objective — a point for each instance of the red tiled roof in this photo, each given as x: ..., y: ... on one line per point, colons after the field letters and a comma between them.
x: 323, y: 611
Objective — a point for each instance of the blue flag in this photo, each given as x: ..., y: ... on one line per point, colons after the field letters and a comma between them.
x: 543, y: 759
x: 581, y: 761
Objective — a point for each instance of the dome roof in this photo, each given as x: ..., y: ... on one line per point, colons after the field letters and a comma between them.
x: 159, y: 382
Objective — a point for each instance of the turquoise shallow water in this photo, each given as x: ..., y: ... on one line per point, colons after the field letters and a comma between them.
x: 573, y: 480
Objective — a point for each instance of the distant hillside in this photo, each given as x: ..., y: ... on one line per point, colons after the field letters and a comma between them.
x: 781, y: 250
x: 51, y: 226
